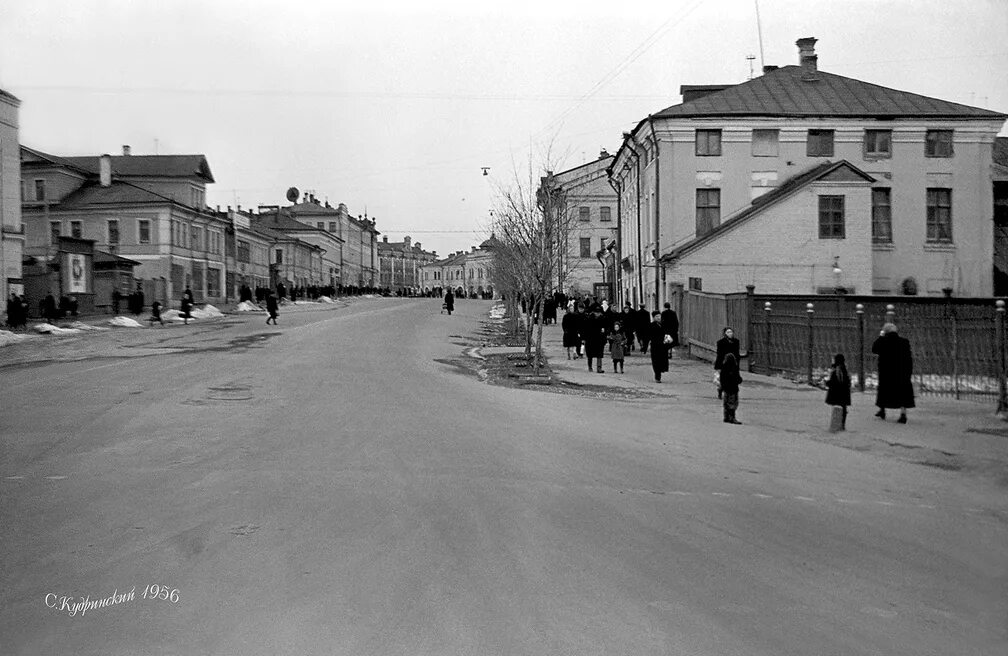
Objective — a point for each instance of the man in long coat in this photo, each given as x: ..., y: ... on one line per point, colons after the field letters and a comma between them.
x: 656, y: 339
x: 643, y: 327
x: 670, y: 322
x: 449, y: 301
x: 895, y: 368
x: 595, y: 333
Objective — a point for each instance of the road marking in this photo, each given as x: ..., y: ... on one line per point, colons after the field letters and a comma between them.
x: 762, y: 496
x: 720, y: 494
x: 15, y: 478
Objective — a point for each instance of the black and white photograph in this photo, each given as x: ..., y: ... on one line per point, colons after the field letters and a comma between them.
x: 523, y: 328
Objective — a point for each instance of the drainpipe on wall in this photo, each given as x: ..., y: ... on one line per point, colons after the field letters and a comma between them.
x: 619, y: 241
x: 657, y: 221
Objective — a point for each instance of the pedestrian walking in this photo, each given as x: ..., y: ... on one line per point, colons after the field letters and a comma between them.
x: 449, y: 302
x: 670, y: 322
x: 656, y: 340
x: 727, y: 344
x: 155, y: 313
x: 895, y: 369
x: 273, y: 307
x: 617, y: 345
x: 116, y: 296
x: 595, y: 338
x: 186, y: 305
x: 49, y: 312
x: 627, y: 319
x: 731, y: 378
x: 570, y: 324
x: 643, y: 328
x: 838, y: 391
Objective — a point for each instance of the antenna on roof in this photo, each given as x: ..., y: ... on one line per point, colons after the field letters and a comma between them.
x: 759, y: 32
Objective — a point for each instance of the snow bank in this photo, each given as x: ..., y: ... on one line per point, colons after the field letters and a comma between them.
x: 7, y: 337
x: 173, y: 315
x: 80, y: 325
x: 325, y: 299
x: 497, y: 312
x: 206, y: 312
x: 248, y: 306
x: 48, y: 328
x: 125, y: 322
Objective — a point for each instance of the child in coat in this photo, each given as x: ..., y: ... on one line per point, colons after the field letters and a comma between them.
x: 617, y: 347
x: 838, y: 387
x: 730, y: 379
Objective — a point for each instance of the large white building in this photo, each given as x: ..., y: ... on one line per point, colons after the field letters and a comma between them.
x: 799, y: 181
x: 11, y: 230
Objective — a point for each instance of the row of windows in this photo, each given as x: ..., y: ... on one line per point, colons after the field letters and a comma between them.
x: 832, y: 217
x: 877, y: 144
x: 586, y: 249
x: 458, y: 274
x: 605, y: 213
x: 111, y: 231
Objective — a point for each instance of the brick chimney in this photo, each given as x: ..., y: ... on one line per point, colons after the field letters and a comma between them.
x: 126, y: 149
x: 385, y: 238
x: 806, y: 53
x: 105, y: 170
x: 406, y: 241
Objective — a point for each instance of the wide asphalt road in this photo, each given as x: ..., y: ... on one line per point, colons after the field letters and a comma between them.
x: 328, y: 486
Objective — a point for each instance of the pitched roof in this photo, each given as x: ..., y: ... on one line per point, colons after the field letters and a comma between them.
x: 788, y: 91
x: 118, y: 193
x: 10, y: 97
x: 780, y: 192
x: 153, y: 166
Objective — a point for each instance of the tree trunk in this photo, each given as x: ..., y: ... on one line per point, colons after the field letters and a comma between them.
x: 538, y: 349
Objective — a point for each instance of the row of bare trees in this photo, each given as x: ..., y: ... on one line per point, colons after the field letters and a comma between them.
x: 530, y: 225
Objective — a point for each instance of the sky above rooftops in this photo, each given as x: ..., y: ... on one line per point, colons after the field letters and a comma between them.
x: 393, y: 108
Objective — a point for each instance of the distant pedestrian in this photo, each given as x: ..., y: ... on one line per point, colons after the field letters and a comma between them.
x: 727, y: 344
x: 449, y: 302
x: 595, y: 337
x: 617, y: 345
x: 730, y: 381
x: 838, y: 388
x: 273, y: 308
x: 186, y: 305
x: 643, y: 325
x: 155, y: 313
x: 627, y: 319
x: 656, y: 340
x: 895, y: 369
x: 116, y: 297
x: 49, y: 312
x: 570, y: 324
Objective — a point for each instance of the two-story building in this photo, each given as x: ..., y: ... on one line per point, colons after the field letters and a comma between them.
x: 802, y: 181
x: 148, y: 208
x: 358, y: 253
x: 466, y: 273
x: 11, y: 230
x: 400, y: 265
x: 583, y: 211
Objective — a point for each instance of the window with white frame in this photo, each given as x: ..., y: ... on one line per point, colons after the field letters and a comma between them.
x: 938, y: 143
x: 877, y: 144
x: 605, y: 213
x: 708, y: 143
x: 113, y: 231
x: 143, y: 231
x: 939, y: 215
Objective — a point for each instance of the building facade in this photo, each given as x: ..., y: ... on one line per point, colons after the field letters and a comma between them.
x: 11, y: 229
x: 400, y: 265
x: 922, y: 223
x: 358, y: 254
x: 466, y: 273
x: 584, y: 211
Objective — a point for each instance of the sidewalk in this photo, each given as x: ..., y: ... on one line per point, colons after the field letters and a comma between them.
x: 942, y: 433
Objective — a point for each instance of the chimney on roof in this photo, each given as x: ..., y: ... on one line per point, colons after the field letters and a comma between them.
x: 385, y: 238
x: 406, y: 241
x: 603, y: 154
x: 806, y: 53
x: 126, y: 149
x: 473, y: 249
x: 768, y: 68
x: 416, y: 245
x: 105, y: 170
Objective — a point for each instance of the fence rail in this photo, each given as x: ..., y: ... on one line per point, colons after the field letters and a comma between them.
x: 955, y: 342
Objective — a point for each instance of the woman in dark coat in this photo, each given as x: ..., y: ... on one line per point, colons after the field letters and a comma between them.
x: 273, y: 308
x: 594, y: 334
x: 838, y: 387
x: 729, y: 381
x: 449, y: 301
x: 727, y: 344
x: 571, y: 333
x: 659, y: 351
x: 895, y: 368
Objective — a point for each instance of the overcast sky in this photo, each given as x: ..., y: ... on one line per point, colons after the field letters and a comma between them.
x: 394, y: 108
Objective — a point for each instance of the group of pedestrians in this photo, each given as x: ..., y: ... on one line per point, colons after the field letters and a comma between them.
x: 17, y: 311
x: 593, y: 326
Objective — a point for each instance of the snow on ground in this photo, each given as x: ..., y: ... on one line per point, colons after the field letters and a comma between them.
x: 206, y: 312
x: 48, y: 328
x: 7, y: 337
x: 248, y: 306
x: 125, y: 322
x: 80, y: 325
x: 497, y: 312
x: 325, y: 299
x: 173, y: 315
